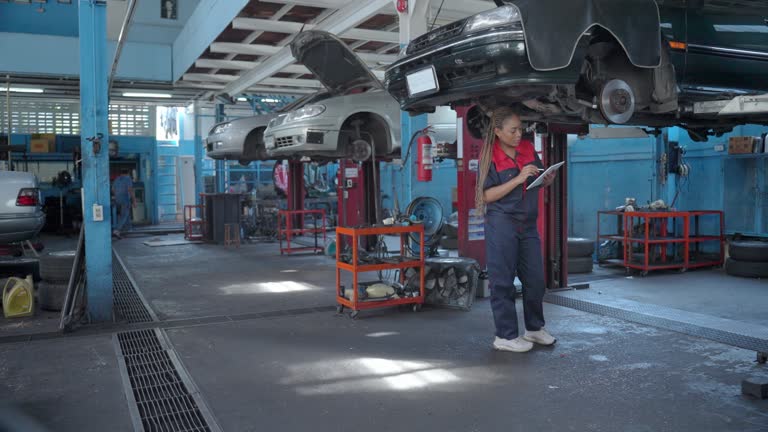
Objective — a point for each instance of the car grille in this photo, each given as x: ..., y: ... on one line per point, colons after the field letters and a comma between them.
x: 428, y: 39
x: 284, y: 142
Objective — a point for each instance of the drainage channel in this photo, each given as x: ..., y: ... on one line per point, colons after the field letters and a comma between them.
x: 128, y: 303
x: 729, y: 332
x: 161, y: 395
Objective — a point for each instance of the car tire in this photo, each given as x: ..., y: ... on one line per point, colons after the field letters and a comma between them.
x: 51, y: 296
x: 579, y: 265
x: 749, y: 269
x: 56, y: 267
x: 580, y: 247
x: 755, y: 251
x: 20, y: 267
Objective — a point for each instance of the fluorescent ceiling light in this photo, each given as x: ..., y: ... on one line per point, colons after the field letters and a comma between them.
x: 242, y: 99
x: 23, y: 90
x: 147, y: 95
x: 268, y: 100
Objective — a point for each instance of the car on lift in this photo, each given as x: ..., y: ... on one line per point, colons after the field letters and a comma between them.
x: 359, y: 121
x: 594, y: 61
x: 21, y: 214
x: 243, y: 139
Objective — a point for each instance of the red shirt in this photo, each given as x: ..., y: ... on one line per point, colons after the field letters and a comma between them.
x: 525, y: 154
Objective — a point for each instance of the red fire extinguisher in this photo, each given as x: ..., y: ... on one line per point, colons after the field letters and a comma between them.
x: 424, y: 159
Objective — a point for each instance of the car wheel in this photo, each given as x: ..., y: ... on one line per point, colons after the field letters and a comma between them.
x: 360, y: 150
x: 51, y: 296
x: 755, y: 251
x: 748, y: 269
x: 56, y: 267
x: 580, y: 247
x: 617, y: 101
x: 579, y: 265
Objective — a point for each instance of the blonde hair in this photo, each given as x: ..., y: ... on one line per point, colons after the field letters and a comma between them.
x: 499, y: 116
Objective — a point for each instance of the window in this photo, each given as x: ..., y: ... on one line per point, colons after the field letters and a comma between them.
x: 63, y: 118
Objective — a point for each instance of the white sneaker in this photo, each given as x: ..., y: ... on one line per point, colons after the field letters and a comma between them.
x: 541, y: 337
x: 514, y: 345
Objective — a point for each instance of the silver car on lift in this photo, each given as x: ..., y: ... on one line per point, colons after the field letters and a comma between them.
x: 243, y: 139
x: 358, y: 121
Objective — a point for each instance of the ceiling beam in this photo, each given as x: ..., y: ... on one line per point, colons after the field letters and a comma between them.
x: 244, y: 65
x: 346, y: 18
x: 220, y: 78
x: 255, y: 24
x: 242, y: 48
x: 217, y: 87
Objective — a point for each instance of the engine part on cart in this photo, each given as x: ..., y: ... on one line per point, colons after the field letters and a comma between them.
x: 449, y: 282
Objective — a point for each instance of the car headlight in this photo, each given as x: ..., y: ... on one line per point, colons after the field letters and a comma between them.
x: 499, y: 16
x: 306, y: 112
x: 220, y: 128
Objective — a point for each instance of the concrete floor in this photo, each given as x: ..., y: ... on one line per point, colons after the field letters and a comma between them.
x: 393, y: 370
x: 710, y: 292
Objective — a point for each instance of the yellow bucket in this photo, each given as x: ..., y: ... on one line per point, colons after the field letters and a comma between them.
x: 18, y: 298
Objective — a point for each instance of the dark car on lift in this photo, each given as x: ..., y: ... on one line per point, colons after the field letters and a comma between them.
x: 594, y: 61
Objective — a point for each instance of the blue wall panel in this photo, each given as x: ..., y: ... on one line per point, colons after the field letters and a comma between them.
x: 443, y: 180
x: 57, y: 55
x: 57, y: 19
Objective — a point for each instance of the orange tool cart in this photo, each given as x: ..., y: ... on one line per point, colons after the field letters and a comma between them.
x: 352, y: 236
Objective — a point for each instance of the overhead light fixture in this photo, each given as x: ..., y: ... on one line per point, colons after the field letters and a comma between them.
x: 269, y: 100
x: 148, y: 95
x: 242, y: 99
x: 23, y: 89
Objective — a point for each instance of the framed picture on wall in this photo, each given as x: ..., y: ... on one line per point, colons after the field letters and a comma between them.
x: 168, y: 9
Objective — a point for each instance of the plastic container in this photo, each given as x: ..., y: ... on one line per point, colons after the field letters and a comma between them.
x: 18, y: 298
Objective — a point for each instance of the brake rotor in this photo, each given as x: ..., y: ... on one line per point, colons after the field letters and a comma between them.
x: 361, y: 150
x: 617, y: 101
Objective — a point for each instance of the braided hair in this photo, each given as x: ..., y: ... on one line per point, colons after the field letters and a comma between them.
x: 500, y: 115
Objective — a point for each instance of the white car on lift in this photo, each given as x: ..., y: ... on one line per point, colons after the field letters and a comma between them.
x: 358, y: 114
x: 243, y: 139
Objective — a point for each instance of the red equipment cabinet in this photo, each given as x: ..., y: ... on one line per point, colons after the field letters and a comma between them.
x: 355, y: 235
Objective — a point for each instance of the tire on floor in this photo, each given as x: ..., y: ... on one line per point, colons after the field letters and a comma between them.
x: 748, y: 250
x: 57, y: 266
x: 51, y: 295
x: 750, y: 269
x: 579, y: 265
x: 580, y: 247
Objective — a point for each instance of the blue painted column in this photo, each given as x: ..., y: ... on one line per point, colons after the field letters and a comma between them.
x: 220, y: 164
x: 199, y: 154
x: 96, y: 188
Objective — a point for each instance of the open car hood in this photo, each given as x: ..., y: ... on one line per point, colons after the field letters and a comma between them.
x: 332, y: 62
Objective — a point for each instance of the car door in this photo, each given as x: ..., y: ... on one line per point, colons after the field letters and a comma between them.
x: 727, y: 49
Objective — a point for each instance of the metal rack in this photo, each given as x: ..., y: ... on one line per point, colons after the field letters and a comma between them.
x: 401, y: 262
x: 286, y: 219
x: 665, y: 239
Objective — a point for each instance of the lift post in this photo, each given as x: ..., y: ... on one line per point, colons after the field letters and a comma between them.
x: 358, y: 194
x: 295, y: 193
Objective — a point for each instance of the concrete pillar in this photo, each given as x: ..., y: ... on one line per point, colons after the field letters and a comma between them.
x: 94, y: 106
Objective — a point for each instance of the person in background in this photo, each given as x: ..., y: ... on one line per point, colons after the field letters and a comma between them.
x: 508, y: 164
x: 125, y: 200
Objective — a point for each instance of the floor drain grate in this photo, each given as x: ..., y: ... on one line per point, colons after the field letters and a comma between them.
x: 163, y: 399
x: 127, y: 303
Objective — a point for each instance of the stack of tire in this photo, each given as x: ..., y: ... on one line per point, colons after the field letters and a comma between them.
x: 748, y: 258
x: 55, y: 268
x: 580, y: 251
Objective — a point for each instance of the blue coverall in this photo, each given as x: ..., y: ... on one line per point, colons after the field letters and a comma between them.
x: 122, y: 188
x: 513, y: 247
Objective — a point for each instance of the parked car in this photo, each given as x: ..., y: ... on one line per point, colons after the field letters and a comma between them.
x: 358, y: 113
x: 592, y: 61
x: 21, y: 215
x: 243, y: 139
